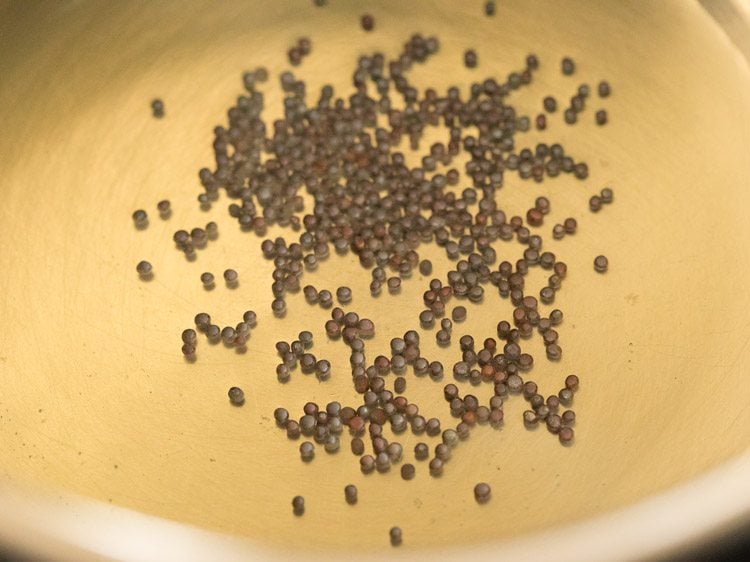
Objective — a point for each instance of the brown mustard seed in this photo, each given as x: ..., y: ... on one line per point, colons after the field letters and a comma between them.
x: 164, y: 207
x: 396, y: 536
x: 425, y: 267
x: 568, y: 417
x: 140, y: 218
x: 358, y: 446
x: 367, y: 463
x: 553, y: 402
x: 567, y: 66
x: 350, y: 494
x: 542, y: 205
x: 293, y: 430
x: 554, y: 352
x: 570, y: 225
x: 427, y: 319
x: 482, y: 492
x: 459, y: 314
x: 344, y: 295
x: 530, y: 418
x: 571, y: 382
x: 566, y: 435
x: 298, y: 505
x: 421, y: 451
x: 470, y: 58
x: 202, y: 321
x: 295, y: 56
x: 601, y: 117
x: 394, y: 284
x: 236, y: 396
x: 399, y: 385
x: 443, y: 338
x: 554, y: 423
x: 556, y: 317
x: 157, y: 108
x: 601, y: 263
x: 534, y: 217
x: 367, y: 22
x: 595, y: 203
x: 144, y: 269
x: 407, y: 471
x: 565, y: 396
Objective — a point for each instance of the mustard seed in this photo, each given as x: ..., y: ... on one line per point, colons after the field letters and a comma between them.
x: 568, y: 417
x: 530, y: 418
x: 568, y: 66
x: 367, y: 22
x: 236, y: 396
x: 298, y: 505
x: 144, y: 269
x: 350, y: 494
x: 553, y: 402
x: 399, y: 385
x: 394, y: 284
x: 595, y: 203
x: 566, y: 396
x: 358, y: 446
x: 281, y: 415
x: 556, y: 317
x: 140, y: 218
x: 344, y: 295
x: 554, y: 352
x: 601, y: 263
x: 306, y: 451
x: 292, y: 429
x: 325, y: 298
x: 482, y: 492
x: 571, y: 382
x: 367, y: 463
x: 443, y: 338
x: 407, y: 471
x: 157, y: 108
x: 554, y: 423
x: 566, y: 435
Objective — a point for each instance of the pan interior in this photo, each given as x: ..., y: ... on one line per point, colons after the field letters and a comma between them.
x: 97, y: 400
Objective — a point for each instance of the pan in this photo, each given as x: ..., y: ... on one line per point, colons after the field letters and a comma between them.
x: 116, y: 447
